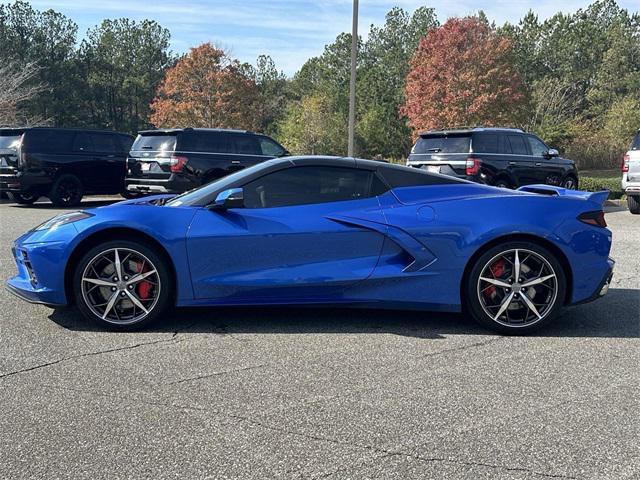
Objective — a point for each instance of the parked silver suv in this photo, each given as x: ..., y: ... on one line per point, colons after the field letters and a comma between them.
x: 631, y: 175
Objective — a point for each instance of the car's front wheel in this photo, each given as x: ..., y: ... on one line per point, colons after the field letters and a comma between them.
x: 122, y: 285
x: 516, y: 288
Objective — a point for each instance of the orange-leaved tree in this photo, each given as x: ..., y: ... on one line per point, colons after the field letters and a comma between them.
x: 206, y: 88
x: 462, y: 74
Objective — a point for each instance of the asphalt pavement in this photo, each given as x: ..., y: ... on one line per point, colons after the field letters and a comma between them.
x: 320, y: 392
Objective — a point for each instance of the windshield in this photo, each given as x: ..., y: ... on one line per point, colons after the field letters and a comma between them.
x: 442, y: 144
x: 10, y: 141
x: 155, y: 143
x: 199, y: 195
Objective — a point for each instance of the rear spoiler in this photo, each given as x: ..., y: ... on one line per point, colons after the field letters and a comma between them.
x: 596, y: 197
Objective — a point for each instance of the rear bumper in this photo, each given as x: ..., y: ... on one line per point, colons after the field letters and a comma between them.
x: 25, y: 182
x: 172, y: 184
x: 603, y: 286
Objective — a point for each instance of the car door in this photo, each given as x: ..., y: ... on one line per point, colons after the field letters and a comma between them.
x: 548, y: 169
x: 109, y: 160
x: 247, y: 149
x: 521, y: 163
x: 282, y: 246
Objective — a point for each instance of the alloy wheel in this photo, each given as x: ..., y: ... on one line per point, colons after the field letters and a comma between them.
x: 517, y: 288
x: 120, y: 286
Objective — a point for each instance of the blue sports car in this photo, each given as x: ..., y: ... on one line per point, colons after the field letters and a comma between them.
x: 325, y: 230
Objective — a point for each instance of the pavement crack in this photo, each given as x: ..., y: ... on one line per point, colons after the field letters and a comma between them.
x: 215, y: 374
x: 82, y: 355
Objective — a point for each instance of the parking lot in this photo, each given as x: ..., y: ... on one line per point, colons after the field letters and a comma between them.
x: 320, y: 393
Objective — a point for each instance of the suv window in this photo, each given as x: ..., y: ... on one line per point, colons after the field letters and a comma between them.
x: 271, y: 148
x: 538, y: 148
x: 10, y: 141
x: 518, y: 147
x: 307, y: 185
x: 247, y: 145
x: 154, y: 143
x: 442, y: 144
x: 48, y: 141
x: 485, y: 143
x: 636, y: 142
x: 206, y: 142
x: 104, y: 143
x: 82, y: 143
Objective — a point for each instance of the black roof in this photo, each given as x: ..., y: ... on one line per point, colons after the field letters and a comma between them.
x: 471, y: 130
x: 62, y: 129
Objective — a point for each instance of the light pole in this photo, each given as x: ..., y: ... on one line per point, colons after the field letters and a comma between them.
x: 352, y: 83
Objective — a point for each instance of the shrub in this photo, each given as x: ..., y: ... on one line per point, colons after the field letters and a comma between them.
x: 592, y: 184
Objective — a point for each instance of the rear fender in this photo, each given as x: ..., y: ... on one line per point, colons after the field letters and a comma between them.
x: 595, y: 197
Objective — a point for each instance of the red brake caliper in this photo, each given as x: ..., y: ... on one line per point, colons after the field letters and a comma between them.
x: 497, y: 269
x: 143, y: 288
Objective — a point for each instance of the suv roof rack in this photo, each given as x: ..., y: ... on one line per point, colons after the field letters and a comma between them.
x: 477, y: 128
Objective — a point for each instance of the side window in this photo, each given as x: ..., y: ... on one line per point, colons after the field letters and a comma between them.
x: 538, y: 149
x: 485, y: 143
x: 247, y: 145
x: 518, y: 147
x: 126, y: 142
x: 48, y: 141
x: 397, y: 176
x: 82, y: 143
x: 104, y: 143
x: 271, y: 148
x: 307, y: 185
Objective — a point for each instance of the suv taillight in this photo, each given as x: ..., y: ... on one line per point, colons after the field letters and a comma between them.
x: 625, y: 163
x: 473, y: 166
x: 178, y: 163
x: 593, y: 218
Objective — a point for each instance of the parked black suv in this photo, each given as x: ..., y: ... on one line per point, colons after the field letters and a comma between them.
x: 61, y: 163
x: 505, y: 157
x: 178, y: 160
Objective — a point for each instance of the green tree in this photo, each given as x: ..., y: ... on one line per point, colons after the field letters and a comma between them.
x: 46, y: 39
x: 123, y: 62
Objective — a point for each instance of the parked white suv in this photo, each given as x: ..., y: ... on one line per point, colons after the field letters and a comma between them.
x: 631, y: 175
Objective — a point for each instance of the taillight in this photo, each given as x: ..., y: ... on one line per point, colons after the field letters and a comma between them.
x: 593, y: 218
x: 625, y: 163
x: 178, y: 163
x: 473, y: 166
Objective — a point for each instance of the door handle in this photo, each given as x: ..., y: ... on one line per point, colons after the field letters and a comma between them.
x: 235, y: 162
x: 512, y: 163
x: 538, y: 164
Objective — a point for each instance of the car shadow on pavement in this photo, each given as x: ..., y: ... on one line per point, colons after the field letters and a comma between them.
x: 615, y: 316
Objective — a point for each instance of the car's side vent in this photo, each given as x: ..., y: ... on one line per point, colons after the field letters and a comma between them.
x: 540, y: 191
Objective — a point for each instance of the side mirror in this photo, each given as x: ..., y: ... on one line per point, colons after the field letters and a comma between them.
x: 553, y: 153
x: 231, y: 198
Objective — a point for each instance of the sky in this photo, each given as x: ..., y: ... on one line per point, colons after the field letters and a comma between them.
x: 290, y: 31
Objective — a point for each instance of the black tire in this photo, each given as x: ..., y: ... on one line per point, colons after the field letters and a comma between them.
x: 89, y: 301
x: 25, y: 198
x: 570, y: 183
x: 503, y: 183
x: 66, y: 191
x: 633, y: 202
x: 475, y: 290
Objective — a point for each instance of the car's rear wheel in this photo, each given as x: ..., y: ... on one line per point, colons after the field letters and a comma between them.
x: 633, y: 202
x: 516, y: 288
x: 66, y: 191
x: 25, y: 198
x: 122, y: 285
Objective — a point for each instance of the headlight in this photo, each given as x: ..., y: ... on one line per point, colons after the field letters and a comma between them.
x: 63, y: 219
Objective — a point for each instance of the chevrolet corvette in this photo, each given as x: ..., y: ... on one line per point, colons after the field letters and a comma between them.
x: 326, y: 230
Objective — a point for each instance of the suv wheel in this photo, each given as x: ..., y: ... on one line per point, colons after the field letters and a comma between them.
x: 502, y: 183
x: 122, y: 285
x: 633, y: 201
x: 515, y: 288
x: 66, y: 191
x: 25, y: 198
x: 570, y: 183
